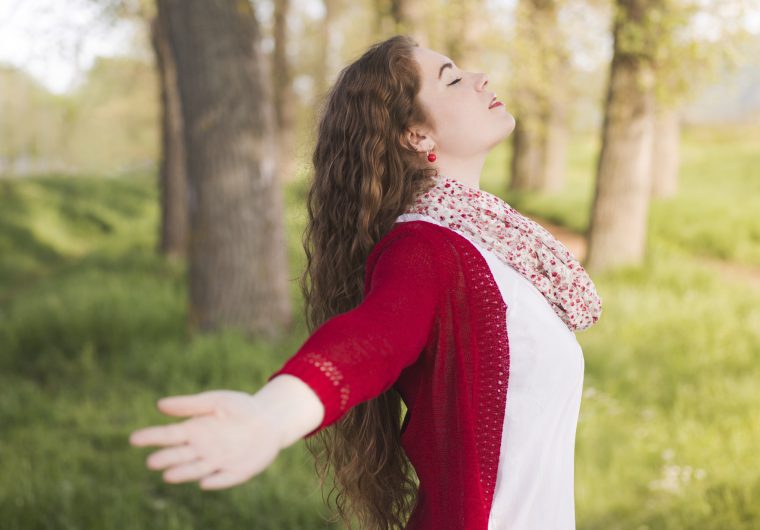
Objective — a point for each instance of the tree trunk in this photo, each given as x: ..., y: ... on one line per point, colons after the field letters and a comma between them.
x: 618, y: 228
x: 534, y: 45
x: 555, y: 150
x: 327, y: 35
x: 528, y: 142
x: 238, y: 270
x: 172, y: 177
x: 464, y: 25
x: 666, y: 155
x: 284, y: 97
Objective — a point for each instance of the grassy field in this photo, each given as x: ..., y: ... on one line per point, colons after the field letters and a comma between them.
x: 92, y: 332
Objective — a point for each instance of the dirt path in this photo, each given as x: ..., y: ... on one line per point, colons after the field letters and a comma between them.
x: 728, y: 270
x: 731, y: 271
x: 574, y: 241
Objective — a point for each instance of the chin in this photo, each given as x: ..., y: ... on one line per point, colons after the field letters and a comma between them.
x: 510, y: 126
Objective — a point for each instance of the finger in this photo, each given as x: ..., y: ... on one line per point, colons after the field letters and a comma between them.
x: 221, y: 479
x: 172, y: 457
x: 190, y: 405
x: 161, y: 435
x: 189, y: 471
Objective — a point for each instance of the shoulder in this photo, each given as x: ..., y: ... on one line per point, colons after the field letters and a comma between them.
x: 416, y: 232
x: 422, y: 242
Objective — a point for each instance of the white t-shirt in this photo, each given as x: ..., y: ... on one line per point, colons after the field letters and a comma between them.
x: 535, y: 480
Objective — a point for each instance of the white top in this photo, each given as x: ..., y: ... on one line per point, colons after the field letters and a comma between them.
x: 534, y: 483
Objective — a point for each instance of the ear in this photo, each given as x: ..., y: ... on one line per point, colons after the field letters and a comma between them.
x: 418, y: 139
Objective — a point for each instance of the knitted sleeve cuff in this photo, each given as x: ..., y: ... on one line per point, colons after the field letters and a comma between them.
x: 325, y: 379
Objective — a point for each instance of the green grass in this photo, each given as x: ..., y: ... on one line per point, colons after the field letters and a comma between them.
x: 92, y: 332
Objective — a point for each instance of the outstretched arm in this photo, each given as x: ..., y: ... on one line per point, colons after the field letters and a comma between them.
x: 353, y: 357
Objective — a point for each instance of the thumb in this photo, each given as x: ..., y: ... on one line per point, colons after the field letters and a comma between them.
x: 188, y: 405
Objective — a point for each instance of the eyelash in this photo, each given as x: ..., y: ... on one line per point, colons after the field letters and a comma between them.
x: 455, y: 81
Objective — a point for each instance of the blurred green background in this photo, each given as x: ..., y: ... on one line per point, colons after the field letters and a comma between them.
x: 93, y: 331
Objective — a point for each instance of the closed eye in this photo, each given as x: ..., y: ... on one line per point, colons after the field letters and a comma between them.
x: 455, y: 81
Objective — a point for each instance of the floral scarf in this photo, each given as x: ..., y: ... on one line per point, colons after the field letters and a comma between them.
x: 520, y: 243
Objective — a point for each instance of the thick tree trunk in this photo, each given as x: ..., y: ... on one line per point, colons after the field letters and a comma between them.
x: 238, y: 270
x: 618, y: 228
x: 284, y: 97
x: 172, y: 177
x: 666, y: 153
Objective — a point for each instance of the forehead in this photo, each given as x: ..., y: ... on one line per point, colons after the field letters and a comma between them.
x: 430, y: 61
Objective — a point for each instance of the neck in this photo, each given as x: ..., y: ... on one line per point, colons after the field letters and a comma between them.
x: 465, y: 170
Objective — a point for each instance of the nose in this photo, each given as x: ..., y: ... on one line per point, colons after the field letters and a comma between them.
x: 483, y: 81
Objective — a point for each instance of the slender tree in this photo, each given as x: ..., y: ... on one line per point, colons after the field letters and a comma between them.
x: 238, y: 269
x: 172, y: 175
x: 685, y: 62
x: 552, y: 174
x: 540, y: 104
x: 326, y: 46
x: 284, y: 96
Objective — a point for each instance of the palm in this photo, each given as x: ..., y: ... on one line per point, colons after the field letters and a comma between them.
x: 227, y: 441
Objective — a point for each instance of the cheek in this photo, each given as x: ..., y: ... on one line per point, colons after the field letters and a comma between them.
x: 456, y: 119
x: 443, y: 108
x: 444, y: 105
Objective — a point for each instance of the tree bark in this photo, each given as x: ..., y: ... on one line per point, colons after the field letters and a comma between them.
x: 284, y: 96
x: 528, y: 143
x: 555, y: 150
x: 618, y: 228
x: 666, y: 153
x: 238, y: 270
x: 172, y: 177
x: 325, y: 46
x: 537, y: 146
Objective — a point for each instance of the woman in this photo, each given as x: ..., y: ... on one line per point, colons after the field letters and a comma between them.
x: 463, y: 308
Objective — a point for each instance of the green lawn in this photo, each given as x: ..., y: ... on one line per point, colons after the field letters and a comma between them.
x: 92, y: 332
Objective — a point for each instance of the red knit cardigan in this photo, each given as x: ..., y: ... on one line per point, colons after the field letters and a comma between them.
x: 432, y: 325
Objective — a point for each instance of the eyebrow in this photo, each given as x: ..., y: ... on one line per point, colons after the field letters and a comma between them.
x: 449, y: 65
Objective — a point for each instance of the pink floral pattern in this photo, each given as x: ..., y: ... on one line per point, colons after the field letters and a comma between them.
x: 520, y: 243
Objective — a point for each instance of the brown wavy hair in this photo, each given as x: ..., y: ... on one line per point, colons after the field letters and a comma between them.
x: 365, y: 175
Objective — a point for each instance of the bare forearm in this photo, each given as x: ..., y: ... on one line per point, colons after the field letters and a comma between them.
x: 293, y: 407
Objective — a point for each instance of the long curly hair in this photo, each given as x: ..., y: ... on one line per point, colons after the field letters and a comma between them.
x: 365, y: 175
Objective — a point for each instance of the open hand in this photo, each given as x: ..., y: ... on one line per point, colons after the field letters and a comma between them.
x: 229, y: 439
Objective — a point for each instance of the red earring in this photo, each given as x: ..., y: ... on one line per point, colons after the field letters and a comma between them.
x: 431, y: 157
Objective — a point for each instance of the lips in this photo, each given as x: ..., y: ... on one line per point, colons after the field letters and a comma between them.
x: 494, y: 102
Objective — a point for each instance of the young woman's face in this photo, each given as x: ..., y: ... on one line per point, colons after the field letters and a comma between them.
x: 459, y: 103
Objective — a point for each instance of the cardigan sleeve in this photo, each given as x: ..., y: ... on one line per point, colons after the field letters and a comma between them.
x: 359, y: 354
